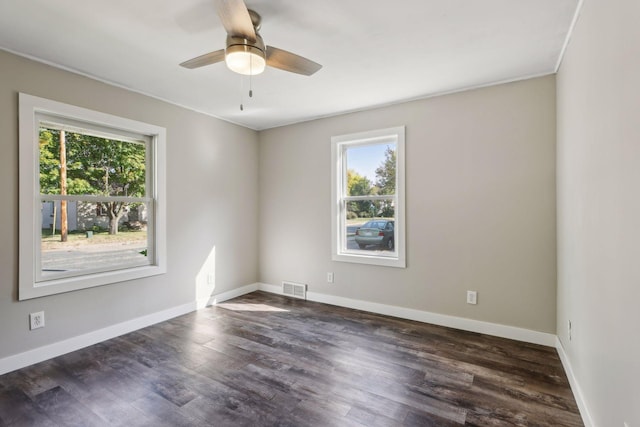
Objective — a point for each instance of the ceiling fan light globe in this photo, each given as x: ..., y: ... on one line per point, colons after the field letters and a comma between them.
x: 244, y: 59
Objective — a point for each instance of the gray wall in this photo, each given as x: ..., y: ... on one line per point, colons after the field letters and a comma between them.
x: 480, y: 207
x: 599, y: 208
x: 480, y: 169
x: 212, y: 209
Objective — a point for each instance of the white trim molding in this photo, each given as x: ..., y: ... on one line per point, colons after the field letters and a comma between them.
x: 59, y: 348
x: 34, y: 112
x: 224, y: 296
x: 40, y: 354
x: 575, y: 386
x: 495, y: 329
x: 567, y: 38
x: 340, y: 199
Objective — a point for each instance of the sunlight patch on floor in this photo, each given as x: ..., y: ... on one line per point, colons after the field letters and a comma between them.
x: 250, y: 307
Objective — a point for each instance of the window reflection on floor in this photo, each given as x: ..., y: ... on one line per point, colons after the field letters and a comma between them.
x: 250, y: 307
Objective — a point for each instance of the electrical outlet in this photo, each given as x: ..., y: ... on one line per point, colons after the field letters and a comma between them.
x: 329, y: 277
x: 36, y: 320
x: 472, y: 297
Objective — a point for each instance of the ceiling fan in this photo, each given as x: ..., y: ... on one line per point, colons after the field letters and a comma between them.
x: 246, y: 52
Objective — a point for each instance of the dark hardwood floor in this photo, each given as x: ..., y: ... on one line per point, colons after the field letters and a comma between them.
x: 266, y: 360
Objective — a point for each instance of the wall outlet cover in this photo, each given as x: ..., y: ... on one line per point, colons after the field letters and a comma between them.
x: 36, y: 320
x: 472, y: 297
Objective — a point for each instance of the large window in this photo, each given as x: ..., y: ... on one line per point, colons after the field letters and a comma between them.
x: 91, y: 198
x: 368, y: 197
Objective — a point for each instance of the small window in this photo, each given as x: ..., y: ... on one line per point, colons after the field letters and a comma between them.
x: 368, y: 197
x: 100, y: 210
x: 91, y: 199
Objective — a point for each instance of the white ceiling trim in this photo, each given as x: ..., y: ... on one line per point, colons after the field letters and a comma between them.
x: 567, y: 39
x: 374, y: 54
x: 374, y: 107
x: 110, y: 83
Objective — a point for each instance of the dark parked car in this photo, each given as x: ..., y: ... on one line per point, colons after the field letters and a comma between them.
x: 377, y: 232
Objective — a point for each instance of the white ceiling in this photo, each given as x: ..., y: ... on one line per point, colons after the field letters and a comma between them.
x: 373, y: 52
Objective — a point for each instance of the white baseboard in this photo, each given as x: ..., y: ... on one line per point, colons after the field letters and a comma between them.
x: 272, y: 289
x: 519, y: 334
x: 59, y: 348
x: 233, y: 293
x: 40, y: 354
x: 504, y: 331
x: 575, y: 386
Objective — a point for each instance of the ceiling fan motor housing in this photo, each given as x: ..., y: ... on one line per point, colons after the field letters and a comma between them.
x: 242, y: 48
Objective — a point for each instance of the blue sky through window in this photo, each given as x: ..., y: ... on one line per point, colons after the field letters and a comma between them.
x: 364, y: 160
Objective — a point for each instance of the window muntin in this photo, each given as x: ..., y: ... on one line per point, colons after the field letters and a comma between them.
x: 368, y: 185
x: 112, y: 194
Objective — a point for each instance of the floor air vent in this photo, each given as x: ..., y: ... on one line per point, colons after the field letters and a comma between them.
x: 296, y: 290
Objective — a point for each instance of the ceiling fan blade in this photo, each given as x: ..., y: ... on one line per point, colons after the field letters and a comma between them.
x: 206, y: 59
x: 235, y: 19
x: 288, y: 61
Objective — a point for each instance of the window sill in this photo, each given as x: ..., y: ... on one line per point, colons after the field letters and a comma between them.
x: 68, y: 284
x: 370, y: 260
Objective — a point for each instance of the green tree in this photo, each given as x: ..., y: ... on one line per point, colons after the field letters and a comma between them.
x: 95, y: 166
x: 386, y: 181
x: 386, y: 172
x: 49, y: 162
x: 358, y: 185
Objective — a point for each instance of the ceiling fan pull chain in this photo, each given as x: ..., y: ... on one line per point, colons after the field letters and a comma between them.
x: 250, y: 75
x: 241, y: 93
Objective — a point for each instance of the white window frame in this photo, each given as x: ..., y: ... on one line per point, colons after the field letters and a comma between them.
x: 339, y: 145
x: 32, y: 110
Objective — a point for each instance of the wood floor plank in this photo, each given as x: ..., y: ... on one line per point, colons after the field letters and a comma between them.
x: 266, y: 360
x: 64, y: 409
x: 161, y: 412
x: 18, y: 409
x: 114, y: 410
x: 366, y: 417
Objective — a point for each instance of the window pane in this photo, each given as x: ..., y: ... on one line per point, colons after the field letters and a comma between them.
x: 115, y: 179
x: 371, y: 169
x: 89, y: 246
x: 92, y: 165
x: 370, y: 227
x: 367, y: 189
